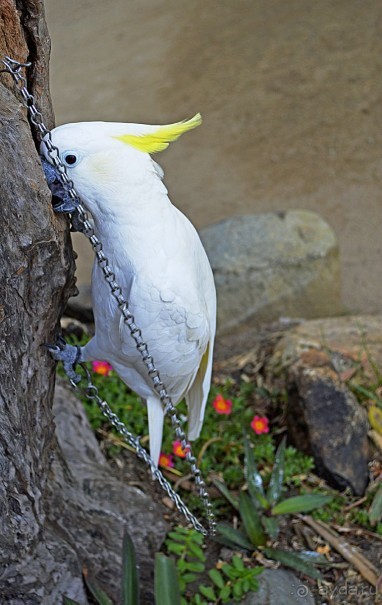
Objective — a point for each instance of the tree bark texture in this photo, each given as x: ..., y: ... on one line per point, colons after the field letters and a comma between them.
x: 36, y: 267
x: 54, y: 516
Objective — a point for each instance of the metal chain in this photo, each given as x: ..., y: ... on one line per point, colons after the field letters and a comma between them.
x: 90, y: 391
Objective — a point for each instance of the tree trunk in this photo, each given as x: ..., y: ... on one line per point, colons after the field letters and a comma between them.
x: 37, y: 268
x: 40, y: 558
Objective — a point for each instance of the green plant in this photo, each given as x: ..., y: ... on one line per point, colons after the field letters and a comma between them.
x: 230, y: 582
x: 260, y: 511
x: 375, y: 512
x: 167, y: 590
x: 186, y: 545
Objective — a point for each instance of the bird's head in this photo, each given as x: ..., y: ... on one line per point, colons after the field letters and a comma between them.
x: 101, y: 158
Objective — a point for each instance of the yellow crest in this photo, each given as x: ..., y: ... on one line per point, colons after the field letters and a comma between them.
x: 159, y: 139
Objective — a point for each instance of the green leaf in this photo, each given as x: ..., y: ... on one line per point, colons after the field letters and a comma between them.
x: 237, y: 590
x: 225, y: 593
x: 207, y: 592
x: 253, y: 477
x: 314, y: 558
x: 375, y: 513
x: 166, y: 584
x: 234, y: 537
x: 99, y: 595
x: 293, y: 561
x: 216, y: 577
x: 178, y: 536
x: 195, y: 566
x: 68, y: 601
x: 175, y: 548
x: 189, y: 577
x: 130, y: 583
x: 196, y: 550
x: 223, y: 489
x: 182, y: 565
x: 301, y: 504
x: 229, y: 571
x: 271, y: 526
x: 277, y: 477
x: 251, y: 520
x: 254, y: 584
x: 237, y: 562
x: 365, y: 392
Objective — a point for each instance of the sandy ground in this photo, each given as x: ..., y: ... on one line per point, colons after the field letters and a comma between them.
x: 291, y: 98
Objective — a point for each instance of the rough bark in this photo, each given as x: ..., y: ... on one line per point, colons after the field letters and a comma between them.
x: 36, y: 268
x: 53, y: 517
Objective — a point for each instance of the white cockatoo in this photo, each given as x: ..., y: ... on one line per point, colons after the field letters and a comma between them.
x: 158, y: 260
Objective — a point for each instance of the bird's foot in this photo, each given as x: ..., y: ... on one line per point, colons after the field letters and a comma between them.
x: 69, y: 355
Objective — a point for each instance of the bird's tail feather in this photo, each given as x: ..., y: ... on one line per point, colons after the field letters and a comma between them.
x: 196, y: 398
x: 155, y: 418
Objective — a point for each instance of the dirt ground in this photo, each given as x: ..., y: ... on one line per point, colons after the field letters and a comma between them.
x: 291, y: 98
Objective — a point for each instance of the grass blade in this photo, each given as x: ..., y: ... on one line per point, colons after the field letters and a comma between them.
x: 271, y: 526
x: 166, y: 581
x: 301, y: 504
x: 292, y: 560
x: 314, y: 558
x: 233, y: 537
x: 375, y: 513
x: 251, y: 520
x: 99, y: 595
x: 130, y: 583
x: 253, y: 477
x: 68, y: 601
x: 223, y: 489
x: 277, y: 477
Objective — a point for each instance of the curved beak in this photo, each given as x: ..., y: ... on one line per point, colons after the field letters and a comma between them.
x: 62, y: 201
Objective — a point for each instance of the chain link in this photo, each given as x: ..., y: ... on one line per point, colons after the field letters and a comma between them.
x: 90, y: 391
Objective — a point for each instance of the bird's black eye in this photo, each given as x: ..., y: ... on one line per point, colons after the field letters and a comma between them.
x: 70, y: 159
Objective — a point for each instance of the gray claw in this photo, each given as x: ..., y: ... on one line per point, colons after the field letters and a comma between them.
x: 69, y: 355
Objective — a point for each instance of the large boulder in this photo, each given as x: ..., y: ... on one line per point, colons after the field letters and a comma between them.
x: 272, y: 265
x: 318, y: 359
x: 91, y: 507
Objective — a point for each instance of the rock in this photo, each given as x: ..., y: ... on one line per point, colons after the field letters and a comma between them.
x: 73, y: 327
x: 97, y: 507
x: 80, y: 307
x: 272, y: 265
x: 326, y: 421
x: 279, y: 587
x: 324, y: 418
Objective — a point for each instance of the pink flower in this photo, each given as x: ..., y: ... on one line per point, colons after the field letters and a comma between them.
x: 221, y: 405
x: 101, y: 367
x: 166, y: 460
x: 178, y: 449
x: 260, y: 424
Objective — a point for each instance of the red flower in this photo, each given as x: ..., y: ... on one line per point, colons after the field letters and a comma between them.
x: 101, y: 367
x: 221, y: 405
x: 166, y: 460
x: 178, y: 450
x: 260, y: 424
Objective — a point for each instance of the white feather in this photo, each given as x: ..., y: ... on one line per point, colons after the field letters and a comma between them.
x: 160, y: 264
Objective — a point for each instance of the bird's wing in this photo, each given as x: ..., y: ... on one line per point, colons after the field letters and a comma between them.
x: 177, y: 332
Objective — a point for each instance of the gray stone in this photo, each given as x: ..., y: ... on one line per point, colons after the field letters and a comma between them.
x: 326, y: 421
x: 280, y: 587
x: 324, y: 417
x: 94, y: 507
x: 80, y: 306
x: 272, y: 265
